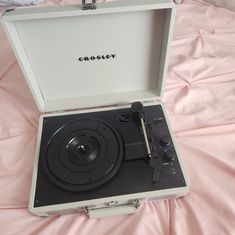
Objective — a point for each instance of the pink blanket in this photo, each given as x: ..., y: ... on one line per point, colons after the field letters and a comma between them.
x: 200, y: 99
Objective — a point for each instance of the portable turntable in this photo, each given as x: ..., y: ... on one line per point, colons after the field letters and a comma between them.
x: 97, y: 73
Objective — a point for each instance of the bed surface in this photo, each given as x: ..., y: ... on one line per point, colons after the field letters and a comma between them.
x: 200, y: 100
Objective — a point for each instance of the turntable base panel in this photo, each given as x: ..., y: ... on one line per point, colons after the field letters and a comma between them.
x: 134, y: 175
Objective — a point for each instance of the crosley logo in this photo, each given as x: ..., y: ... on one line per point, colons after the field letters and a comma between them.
x: 98, y: 57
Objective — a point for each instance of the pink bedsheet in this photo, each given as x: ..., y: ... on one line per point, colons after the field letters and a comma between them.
x: 200, y: 99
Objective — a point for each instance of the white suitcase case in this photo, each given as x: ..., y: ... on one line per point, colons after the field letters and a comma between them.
x: 93, y: 58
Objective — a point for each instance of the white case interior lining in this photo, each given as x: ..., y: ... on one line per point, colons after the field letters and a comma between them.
x: 49, y: 49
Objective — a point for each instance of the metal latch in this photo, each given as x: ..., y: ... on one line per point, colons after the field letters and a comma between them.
x: 112, y: 209
x: 88, y: 5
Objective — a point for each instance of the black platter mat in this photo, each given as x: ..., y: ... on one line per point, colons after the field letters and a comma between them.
x: 83, y: 155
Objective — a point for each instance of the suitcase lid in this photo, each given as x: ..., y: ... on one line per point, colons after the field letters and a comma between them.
x: 93, y: 55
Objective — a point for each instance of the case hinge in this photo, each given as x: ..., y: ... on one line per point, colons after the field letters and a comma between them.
x: 8, y: 11
x: 88, y: 5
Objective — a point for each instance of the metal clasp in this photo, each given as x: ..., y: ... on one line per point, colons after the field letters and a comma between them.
x: 111, y: 204
x: 136, y: 203
x: 88, y: 5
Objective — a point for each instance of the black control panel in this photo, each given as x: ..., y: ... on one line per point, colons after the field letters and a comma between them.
x: 111, y: 142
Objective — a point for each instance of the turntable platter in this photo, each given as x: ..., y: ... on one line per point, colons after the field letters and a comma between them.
x: 83, y: 154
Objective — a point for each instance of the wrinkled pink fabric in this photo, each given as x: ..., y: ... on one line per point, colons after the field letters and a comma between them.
x: 200, y: 100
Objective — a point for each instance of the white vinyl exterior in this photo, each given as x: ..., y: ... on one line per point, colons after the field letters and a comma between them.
x: 48, y: 43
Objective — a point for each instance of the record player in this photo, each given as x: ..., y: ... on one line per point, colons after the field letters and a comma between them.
x: 97, y: 73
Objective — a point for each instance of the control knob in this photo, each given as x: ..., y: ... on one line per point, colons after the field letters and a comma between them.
x: 165, y: 140
x: 169, y: 155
